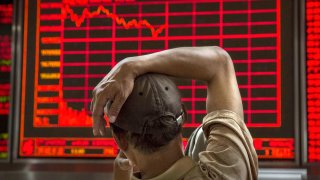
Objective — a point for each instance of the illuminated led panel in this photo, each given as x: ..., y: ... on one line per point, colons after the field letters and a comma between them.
x: 5, y: 67
x: 73, y: 44
x: 313, y: 78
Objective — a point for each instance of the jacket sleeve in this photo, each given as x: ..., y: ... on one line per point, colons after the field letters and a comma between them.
x: 229, y: 151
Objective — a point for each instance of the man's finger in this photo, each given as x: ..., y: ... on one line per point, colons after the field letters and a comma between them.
x: 115, y: 107
x: 92, y: 103
x: 97, y: 111
x: 102, y: 127
x: 97, y: 117
x: 96, y: 125
x: 107, y: 107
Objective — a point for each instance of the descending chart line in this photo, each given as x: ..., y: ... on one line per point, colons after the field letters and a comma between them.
x: 79, y: 19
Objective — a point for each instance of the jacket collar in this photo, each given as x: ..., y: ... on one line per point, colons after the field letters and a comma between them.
x: 176, y: 171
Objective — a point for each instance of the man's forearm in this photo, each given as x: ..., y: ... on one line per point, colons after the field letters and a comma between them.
x: 200, y: 63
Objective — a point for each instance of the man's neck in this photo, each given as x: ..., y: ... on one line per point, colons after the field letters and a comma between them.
x: 154, y: 164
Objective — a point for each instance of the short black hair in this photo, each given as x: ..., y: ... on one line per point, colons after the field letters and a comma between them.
x: 165, y: 129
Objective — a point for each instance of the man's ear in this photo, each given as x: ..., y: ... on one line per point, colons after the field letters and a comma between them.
x: 121, y: 141
x: 185, y: 114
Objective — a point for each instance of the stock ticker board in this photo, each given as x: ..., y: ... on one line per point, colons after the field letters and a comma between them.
x: 72, y: 44
x: 5, y: 67
x: 313, y: 83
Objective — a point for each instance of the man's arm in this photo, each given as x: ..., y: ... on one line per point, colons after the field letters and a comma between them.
x: 210, y: 64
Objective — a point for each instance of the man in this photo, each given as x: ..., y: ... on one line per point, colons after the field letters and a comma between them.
x: 146, y: 118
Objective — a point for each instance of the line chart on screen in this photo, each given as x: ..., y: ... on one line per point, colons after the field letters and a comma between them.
x: 78, y: 41
x: 82, y: 20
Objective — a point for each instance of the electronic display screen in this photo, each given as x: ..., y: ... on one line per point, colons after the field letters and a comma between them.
x: 70, y: 45
x: 5, y: 67
x: 313, y: 78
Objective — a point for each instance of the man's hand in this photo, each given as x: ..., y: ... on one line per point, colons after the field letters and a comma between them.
x: 114, y: 88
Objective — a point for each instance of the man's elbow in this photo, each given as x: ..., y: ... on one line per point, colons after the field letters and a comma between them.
x: 223, y: 56
x: 222, y: 61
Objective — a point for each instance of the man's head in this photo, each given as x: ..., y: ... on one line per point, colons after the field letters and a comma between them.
x: 152, y: 115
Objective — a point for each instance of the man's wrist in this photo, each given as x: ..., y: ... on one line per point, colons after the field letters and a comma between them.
x: 135, y: 66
